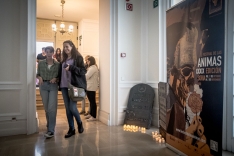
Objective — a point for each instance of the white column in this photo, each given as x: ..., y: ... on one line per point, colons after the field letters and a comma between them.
x: 32, y: 124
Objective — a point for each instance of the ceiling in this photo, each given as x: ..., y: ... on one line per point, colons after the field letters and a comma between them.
x: 74, y: 10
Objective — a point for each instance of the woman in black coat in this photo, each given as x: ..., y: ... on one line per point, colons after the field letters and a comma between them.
x: 72, y: 70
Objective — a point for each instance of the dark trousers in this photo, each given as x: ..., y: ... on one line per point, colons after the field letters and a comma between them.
x: 92, y: 100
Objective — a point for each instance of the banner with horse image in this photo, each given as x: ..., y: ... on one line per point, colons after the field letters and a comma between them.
x: 195, y: 72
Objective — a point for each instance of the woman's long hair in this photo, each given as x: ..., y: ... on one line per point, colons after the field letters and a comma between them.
x: 56, y: 55
x: 74, y: 51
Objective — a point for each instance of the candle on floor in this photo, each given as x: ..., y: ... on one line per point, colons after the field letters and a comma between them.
x: 160, y: 140
x: 139, y: 128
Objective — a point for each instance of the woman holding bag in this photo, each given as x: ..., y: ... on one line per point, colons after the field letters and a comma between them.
x: 72, y: 70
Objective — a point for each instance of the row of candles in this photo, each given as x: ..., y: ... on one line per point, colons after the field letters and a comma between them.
x: 133, y: 128
x: 158, y: 137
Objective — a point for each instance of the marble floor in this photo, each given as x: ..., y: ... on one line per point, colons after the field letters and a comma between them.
x: 97, y: 140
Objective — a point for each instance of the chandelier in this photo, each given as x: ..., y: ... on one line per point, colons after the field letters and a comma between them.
x: 62, y: 29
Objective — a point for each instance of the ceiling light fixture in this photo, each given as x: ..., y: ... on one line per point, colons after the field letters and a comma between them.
x: 62, y: 25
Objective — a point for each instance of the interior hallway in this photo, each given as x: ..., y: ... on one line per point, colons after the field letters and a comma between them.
x: 97, y: 139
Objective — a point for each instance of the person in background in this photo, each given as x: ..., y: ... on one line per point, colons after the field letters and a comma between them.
x: 47, y: 73
x: 92, y: 76
x: 83, y: 102
x: 42, y: 55
x: 72, y: 70
x: 58, y: 55
x: 86, y: 64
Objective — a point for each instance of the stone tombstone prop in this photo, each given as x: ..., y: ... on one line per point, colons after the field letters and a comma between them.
x: 140, y: 106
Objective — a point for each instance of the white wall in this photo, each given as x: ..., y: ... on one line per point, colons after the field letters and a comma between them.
x: 89, y: 45
x: 129, y: 41
x: 174, y: 2
x: 138, y: 37
x: 104, y: 61
x: 17, y: 78
x: 135, y: 33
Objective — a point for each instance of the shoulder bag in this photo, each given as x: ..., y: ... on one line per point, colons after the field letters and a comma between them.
x: 75, y: 93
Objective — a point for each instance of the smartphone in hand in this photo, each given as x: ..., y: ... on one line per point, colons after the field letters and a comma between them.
x: 65, y: 65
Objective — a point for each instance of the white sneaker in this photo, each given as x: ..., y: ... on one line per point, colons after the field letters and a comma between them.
x: 88, y: 116
x: 49, y: 134
x: 91, y: 119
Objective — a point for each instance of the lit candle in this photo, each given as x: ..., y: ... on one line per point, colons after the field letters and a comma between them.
x: 157, y: 138
x: 152, y: 133
x: 160, y: 140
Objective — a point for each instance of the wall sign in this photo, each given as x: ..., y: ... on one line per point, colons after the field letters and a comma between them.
x: 155, y: 3
x: 129, y: 6
x: 195, y: 65
x: 80, y: 38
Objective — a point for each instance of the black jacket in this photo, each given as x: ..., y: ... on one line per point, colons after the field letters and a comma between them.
x: 78, y: 72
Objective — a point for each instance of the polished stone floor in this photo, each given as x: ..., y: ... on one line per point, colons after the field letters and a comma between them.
x: 97, y: 139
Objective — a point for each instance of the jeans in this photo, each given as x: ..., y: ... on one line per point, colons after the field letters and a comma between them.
x: 71, y: 109
x: 92, y: 100
x: 83, y: 106
x: 49, y: 95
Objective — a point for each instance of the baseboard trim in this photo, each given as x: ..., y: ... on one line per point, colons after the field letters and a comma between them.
x: 104, y: 117
x: 13, y: 127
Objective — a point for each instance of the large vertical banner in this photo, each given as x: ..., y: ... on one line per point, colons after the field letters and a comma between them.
x: 195, y: 65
